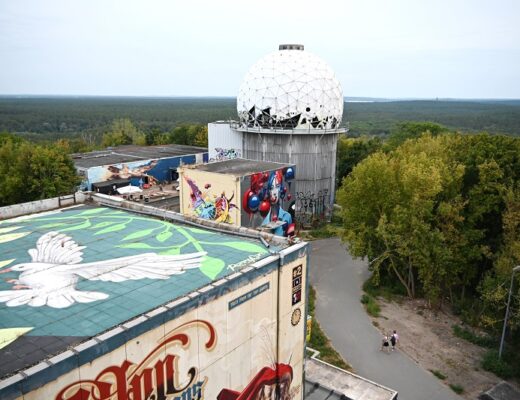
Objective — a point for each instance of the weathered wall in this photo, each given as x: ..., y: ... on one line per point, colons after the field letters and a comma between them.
x: 251, y: 338
x: 224, y: 143
x: 32, y: 207
x: 209, y: 195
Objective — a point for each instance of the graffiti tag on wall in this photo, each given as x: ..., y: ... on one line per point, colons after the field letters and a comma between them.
x: 311, y: 207
x: 208, y: 206
x: 265, y: 197
x: 225, y: 154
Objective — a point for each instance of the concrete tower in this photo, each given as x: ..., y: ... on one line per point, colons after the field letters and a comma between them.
x: 290, y: 106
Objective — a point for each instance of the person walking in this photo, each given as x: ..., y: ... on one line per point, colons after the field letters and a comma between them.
x: 385, y: 346
x: 394, y: 339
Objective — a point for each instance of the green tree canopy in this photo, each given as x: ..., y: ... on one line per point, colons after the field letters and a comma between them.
x: 351, y: 151
x: 192, y: 135
x: 440, y: 213
x: 31, y: 172
x: 123, y: 131
x: 412, y: 130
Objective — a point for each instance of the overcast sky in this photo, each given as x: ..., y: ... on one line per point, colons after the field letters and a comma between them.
x: 378, y: 48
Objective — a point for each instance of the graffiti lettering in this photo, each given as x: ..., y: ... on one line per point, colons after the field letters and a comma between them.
x: 225, y: 154
x: 250, y: 259
x: 311, y: 207
x: 155, y: 377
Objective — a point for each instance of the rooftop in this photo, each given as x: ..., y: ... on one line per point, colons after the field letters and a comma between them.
x: 326, y: 382
x: 122, y: 250
x: 240, y: 166
x: 128, y: 153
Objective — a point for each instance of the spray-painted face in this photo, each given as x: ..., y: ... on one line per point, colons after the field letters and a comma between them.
x: 275, y: 186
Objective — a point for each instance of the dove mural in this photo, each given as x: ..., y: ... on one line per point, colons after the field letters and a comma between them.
x: 55, y: 268
x: 99, y: 266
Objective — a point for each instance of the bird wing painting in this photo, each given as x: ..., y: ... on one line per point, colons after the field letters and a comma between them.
x: 51, y: 278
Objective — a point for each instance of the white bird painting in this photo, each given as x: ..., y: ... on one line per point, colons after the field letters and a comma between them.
x: 51, y: 278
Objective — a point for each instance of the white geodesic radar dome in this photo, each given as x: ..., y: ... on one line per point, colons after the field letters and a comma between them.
x: 290, y: 89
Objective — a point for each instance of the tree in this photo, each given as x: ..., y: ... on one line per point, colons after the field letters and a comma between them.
x: 412, y: 130
x: 191, y: 135
x: 351, y: 151
x: 395, y: 208
x: 440, y: 214
x: 30, y: 172
x: 121, y: 132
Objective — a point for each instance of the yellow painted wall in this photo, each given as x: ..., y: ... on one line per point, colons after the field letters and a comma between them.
x: 220, y: 185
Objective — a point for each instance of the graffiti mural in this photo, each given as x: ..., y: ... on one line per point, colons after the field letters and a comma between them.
x: 157, y: 170
x: 225, y: 154
x: 266, y: 196
x: 269, y: 383
x: 83, y: 257
x: 155, y: 377
x: 135, y: 169
x: 209, y: 206
x: 55, y: 268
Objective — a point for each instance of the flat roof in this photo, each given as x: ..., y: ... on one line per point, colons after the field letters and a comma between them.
x: 128, y: 153
x: 326, y: 382
x: 240, y: 166
x: 73, y: 273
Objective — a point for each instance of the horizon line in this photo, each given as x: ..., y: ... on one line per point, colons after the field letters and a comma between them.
x: 234, y: 97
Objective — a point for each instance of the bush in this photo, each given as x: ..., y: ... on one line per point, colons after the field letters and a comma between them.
x: 438, y: 374
x: 370, y: 305
x: 482, y: 341
x: 456, y: 388
x: 491, y: 362
x: 373, y: 308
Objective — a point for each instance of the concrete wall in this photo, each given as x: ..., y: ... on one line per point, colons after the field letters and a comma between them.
x: 32, y: 207
x: 249, y: 339
x: 224, y: 143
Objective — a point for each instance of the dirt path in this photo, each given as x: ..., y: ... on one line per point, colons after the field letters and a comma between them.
x: 427, y: 338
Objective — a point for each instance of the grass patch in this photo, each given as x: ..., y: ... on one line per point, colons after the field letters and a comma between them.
x: 371, y: 305
x: 500, y: 367
x: 438, y: 374
x: 466, y: 334
x: 323, y: 229
x: 320, y: 342
x: 456, y: 388
x: 390, y: 292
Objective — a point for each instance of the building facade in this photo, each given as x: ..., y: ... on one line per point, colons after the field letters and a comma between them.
x: 245, y: 193
x: 128, y: 306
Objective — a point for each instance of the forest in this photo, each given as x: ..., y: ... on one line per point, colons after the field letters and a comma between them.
x: 49, y: 118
